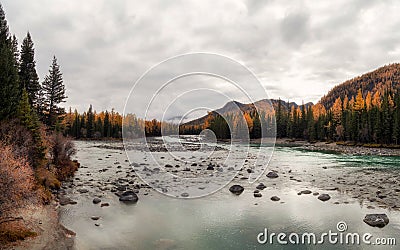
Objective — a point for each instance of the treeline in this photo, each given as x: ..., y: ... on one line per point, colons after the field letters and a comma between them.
x: 233, y: 125
x: 365, y: 118
x: 105, y: 124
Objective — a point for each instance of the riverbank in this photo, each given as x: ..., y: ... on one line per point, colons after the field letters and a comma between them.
x: 340, y: 147
x: 47, y: 232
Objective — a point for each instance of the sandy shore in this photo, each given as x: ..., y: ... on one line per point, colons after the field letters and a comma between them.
x: 44, y: 220
x: 333, y: 147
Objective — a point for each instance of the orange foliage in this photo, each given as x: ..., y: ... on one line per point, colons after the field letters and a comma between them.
x: 16, y: 180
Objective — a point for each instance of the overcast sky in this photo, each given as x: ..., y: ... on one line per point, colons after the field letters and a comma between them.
x: 298, y: 49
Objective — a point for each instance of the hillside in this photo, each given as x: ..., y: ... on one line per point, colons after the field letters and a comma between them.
x: 231, y: 107
x: 381, y: 79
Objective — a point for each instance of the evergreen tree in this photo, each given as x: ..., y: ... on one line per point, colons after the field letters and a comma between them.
x: 14, y: 44
x: 54, y: 93
x: 107, y: 125
x: 9, y: 83
x: 90, y: 123
x: 29, y: 119
x: 27, y: 70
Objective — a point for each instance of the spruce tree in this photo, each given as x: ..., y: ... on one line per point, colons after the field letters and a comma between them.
x: 29, y: 119
x: 27, y: 70
x: 14, y: 46
x: 107, y: 125
x: 54, y: 93
x: 9, y: 85
x: 90, y: 122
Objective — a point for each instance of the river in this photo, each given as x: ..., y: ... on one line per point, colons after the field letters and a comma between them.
x: 226, y: 221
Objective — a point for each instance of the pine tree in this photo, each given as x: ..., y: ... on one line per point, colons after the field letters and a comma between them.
x: 27, y: 70
x: 9, y: 83
x: 107, y: 126
x: 14, y: 44
x: 54, y: 93
x: 29, y: 119
x: 90, y: 122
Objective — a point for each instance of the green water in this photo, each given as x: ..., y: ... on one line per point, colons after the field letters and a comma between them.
x: 222, y: 220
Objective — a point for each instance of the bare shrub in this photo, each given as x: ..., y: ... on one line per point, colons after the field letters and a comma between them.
x: 62, y: 149
x: 17, y: 180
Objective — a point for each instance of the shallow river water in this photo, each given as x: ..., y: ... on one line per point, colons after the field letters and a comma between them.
x: 223, y: 220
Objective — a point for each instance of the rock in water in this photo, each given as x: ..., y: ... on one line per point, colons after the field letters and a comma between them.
x: 272, y: 175
x: 83, y: 190
x: 261, y: 186
x: 376, y: 220
x: 210, y: 167
x: 129, y: 197
x: 257, y: 195
x: 185, y: 195
x: 236, y: 189
x: 324, y: 197
x: 275, y: 198
x: 96, y: 200
x: 304, y: 192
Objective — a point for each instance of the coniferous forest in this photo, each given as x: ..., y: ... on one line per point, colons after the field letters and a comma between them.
x: 363, y: 110
x: 34, y: 155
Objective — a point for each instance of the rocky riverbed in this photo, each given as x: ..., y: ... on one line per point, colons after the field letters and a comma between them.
x: 108, y: 183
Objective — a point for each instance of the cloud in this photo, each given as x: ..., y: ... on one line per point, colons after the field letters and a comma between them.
x: 298, y: 49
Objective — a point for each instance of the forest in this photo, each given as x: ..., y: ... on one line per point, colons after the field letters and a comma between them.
x: 369, y: 116
x: 34, y: 155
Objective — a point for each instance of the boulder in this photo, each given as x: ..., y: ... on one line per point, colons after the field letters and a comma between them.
x: 324, y: 197
x: 257, y: 195
x: 82, y: 190
x: 376, y: 220
x: 275, y: 198
x: 261, y: 186
x: 236, y: 189
x: 304, y: 192
x: 96, y: 200
x: 129, y: 197
x: 272, y: 175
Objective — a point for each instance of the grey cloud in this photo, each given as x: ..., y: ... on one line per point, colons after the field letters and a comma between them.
x: 298, y: 49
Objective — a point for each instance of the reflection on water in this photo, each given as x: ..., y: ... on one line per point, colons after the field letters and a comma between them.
x: 219, y: 221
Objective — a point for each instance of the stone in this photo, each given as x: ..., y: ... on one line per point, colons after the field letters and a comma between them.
x: 82, y: 190
x: 272, y: 175
x: 96, y: 200
x: 305, y: 192
x: 129, y: 197
x: 324, y: 197
x: 275, y: 198
x: 261, y: 186
x: 236, y: 189
x: 376, y: 220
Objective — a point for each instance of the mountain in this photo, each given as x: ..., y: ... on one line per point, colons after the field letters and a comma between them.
x: 381, y: 79
x: 263, y: 105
